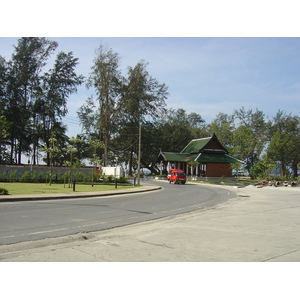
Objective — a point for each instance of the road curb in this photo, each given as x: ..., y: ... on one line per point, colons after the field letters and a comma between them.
x: 13, y: 198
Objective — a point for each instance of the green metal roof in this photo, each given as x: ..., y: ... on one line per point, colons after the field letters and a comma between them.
x: 180, y: 157
x: 215, y: 158
x: 201, y: 158
x: 196, y: 145
x: 196, y: 150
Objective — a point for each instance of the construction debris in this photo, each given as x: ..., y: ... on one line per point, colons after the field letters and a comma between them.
x: 277, y: 183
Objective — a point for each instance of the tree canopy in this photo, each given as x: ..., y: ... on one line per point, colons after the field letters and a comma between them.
x: 34, y: 97
x: 33, y: 100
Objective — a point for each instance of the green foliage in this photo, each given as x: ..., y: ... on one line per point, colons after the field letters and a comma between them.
x: 94, y: 176
x: 122, y: 179
x: 34, y: 95
x: 13, y: 175
x: 4, y: 127
x: 23, y: 79
x: 123, y: 103
x: 262, y: 169
x: 3, y: 191
x: 26, y: 177
x: 4, y: 176
x: 66, y: 175
x: 237, y: 167
x: 285, y: 142
x: 109, y: 178
x: 38, y: 177
x: 223, y: 127
x: 244, y: 145
x: 112, y: 179
x: 79, y: 176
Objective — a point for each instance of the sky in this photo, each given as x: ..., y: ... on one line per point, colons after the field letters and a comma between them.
x: 214, y: 56
x: 205, y: 75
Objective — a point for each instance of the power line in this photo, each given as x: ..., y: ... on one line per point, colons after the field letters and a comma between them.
x: 70, y: 122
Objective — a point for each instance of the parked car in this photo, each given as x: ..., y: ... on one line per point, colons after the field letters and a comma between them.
x: 176, y: 176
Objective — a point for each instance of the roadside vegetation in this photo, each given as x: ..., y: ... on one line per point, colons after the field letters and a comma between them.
x: 21, y: 188
x: 34, y: 94
x: 61, y: 182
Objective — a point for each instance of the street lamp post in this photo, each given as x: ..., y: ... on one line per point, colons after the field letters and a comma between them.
x: 139, y: 154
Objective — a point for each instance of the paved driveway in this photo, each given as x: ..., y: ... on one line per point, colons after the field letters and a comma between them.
x: 260, y: 225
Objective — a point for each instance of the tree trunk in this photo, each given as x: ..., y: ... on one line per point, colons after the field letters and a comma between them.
x: 151, y: 168
x: 20, y: 151
x: 295, y: 170
x: 130, y: 162
x: 284, y: 169
x: 11, y: 150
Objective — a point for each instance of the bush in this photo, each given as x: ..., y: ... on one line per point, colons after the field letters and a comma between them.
x: 41, y: 177
x: 109, y: 178
x: 122, y: 179
x: 13, y: 176
x: 26, y: 177
x: 4, y: 176
x: 3, y: 191
x: 79, y: 176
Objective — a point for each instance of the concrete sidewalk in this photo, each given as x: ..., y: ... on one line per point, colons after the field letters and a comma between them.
x: 261, y: 224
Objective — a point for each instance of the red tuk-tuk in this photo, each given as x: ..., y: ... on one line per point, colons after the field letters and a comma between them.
x: 176, y: 176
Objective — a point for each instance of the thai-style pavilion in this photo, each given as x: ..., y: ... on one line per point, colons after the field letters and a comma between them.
x: 205, y: 157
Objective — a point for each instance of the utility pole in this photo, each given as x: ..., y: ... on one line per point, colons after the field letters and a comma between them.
x: 139, y: 154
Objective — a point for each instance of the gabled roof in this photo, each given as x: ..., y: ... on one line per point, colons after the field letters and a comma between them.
x: 194, y: 146
x: 199, y: 157
x: 204, y: 150
x: 180, y: 157
x: 215, y: 158
x: 204, y: 144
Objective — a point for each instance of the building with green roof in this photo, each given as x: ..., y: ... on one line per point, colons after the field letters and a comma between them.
x: 205, y: 157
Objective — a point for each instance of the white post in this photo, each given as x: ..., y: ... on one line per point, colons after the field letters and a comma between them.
x: 139, y: 154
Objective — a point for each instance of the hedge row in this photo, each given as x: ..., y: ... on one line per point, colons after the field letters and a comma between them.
x: 42, y: 177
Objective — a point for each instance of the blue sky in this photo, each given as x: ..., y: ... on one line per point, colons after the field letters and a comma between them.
x: 204, y: 75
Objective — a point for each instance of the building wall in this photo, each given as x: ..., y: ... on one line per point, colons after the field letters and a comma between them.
x: 218, y: 170
x: 207, y: 170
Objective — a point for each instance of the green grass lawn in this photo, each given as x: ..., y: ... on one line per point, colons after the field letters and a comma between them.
x: 18, y: 188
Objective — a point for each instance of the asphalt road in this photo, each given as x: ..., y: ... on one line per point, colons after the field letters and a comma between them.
x: 35, y: 220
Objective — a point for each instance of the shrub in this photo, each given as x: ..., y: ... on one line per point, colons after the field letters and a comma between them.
x: 26, y: 176
x: 39, y: 177
x: 93, y: 176
x: 3, y: 191
x: 66, y: 175
x: 3, y: 176
x: 122, y: 179
x: 78, y: 176
x: 13, y: 175
x: 109, y: 178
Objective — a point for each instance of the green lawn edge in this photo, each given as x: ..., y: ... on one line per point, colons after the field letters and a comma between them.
x: 19, y: 188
